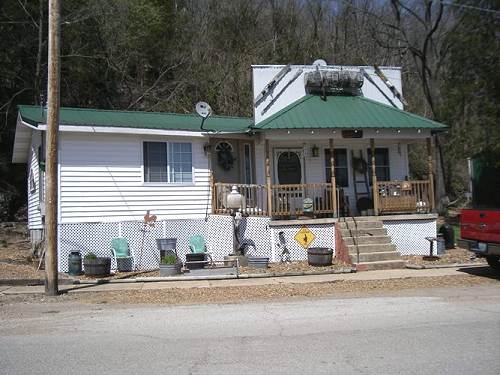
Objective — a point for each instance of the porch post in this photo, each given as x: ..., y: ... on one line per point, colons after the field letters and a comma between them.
x: 431, y: 174
x: 213, y: 193
x: 268, y: 181
x: 334, y: 181
x: 374, y: 178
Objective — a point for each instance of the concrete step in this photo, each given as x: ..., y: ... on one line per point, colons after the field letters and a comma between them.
x: 364, y: 225
x: 371, y: 248
x: 348, y: 240
x: 341, y: 225
x: 363, y: 232
x: 376, y: 257
x: 373, y: 240
x: 382, y: 265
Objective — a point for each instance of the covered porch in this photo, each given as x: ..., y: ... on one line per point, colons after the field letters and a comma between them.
x: 341, y: 183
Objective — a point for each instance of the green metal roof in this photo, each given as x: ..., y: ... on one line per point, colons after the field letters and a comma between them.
x: 34, y: 115
x: 349, y: 112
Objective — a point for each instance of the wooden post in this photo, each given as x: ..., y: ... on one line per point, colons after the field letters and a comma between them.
x: 51, y: 282
x: 334, y: 180
x: 431, y: 174
x: 374, y: 178
x: 268, y: 182
x: 212, y: 191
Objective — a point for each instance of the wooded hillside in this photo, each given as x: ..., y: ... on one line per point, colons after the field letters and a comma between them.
x: 165, y: 55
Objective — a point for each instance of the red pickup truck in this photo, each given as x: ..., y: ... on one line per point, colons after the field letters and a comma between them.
x: 480, y: 225
x: 480, y: 232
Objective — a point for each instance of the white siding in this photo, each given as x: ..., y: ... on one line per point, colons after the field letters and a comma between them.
x: 101, y: 178
x: 34, y: 211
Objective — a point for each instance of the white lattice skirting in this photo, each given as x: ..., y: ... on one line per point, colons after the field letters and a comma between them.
x: 409, y: 235
x: 260, y: 238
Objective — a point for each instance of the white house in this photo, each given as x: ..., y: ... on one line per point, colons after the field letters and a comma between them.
x: 114, y: 166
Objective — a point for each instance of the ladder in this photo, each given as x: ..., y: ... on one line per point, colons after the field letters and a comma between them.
x: 361, y: 184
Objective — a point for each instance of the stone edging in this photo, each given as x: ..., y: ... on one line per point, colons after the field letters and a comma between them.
x: 31, y: 282
x: 452, y: 265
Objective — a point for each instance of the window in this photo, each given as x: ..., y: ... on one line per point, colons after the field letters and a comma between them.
x: 381, y: 164
x: 341, y: 173
x: 168, y: 162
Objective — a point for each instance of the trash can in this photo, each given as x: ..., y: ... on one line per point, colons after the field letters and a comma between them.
x: 449, y: 236
x: 75, y: 263
x: 440, y: 244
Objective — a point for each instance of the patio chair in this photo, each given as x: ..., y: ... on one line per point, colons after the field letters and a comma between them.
x: 124, y: 259
x: 197, y: 245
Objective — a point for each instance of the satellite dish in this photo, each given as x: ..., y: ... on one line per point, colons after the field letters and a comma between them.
x: 203, y: 109
x: 320, y: 62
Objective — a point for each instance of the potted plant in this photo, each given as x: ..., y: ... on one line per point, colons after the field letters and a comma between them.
x: 96, y: 266
x: 170, y: 265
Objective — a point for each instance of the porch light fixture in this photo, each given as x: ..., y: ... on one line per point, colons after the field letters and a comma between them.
x: 419, y: 131
x: 315, y: 151
x: 312, y: 131
x: 288, y: 132
x: 207, y: 147
x: 334, y: 132
x: 377, y: 131
x: 399, y: 131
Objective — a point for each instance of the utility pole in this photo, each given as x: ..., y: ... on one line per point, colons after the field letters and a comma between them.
x: 51, y: 172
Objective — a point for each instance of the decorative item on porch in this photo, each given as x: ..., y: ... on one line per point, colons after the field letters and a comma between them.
x: 170, y: 264
x: 225, y: 157
x: 96, y: 266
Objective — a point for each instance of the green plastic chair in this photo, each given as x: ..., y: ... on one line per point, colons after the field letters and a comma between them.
x: 121, y: 253
x: 197, y: 245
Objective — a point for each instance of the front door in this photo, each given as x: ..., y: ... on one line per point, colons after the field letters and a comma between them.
x: 288, y: 166
x: 288, y: 170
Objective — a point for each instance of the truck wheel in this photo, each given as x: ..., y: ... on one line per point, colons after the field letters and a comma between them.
x: 494, y: 263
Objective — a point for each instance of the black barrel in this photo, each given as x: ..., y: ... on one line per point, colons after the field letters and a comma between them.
x: 75, y: 263
x: 319, y: 256
x: 449, y: 236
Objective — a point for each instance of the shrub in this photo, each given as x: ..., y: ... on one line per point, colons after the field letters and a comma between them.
x: 169, y: 259
x: 90, y: 256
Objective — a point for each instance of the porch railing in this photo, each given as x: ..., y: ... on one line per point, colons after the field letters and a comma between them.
x: 254, y: 198
x: 404, y: 196
x: 288, y: 200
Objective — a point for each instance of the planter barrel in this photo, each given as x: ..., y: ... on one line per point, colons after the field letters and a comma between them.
x: 101, y: 266
x: 170, y: 269
x: 319, y: 256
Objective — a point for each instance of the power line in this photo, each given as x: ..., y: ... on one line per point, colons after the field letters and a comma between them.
x: 496, y: 12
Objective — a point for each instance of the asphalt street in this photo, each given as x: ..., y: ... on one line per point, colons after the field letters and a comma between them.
x: 438, y: 331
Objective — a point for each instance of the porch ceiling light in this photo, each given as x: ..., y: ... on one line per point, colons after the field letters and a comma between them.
x: 312, y: 131
x: 419, y: 131
x: 399, y: 131
x: 377, y: 131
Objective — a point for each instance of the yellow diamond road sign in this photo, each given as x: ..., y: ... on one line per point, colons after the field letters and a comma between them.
x: 304, y: 237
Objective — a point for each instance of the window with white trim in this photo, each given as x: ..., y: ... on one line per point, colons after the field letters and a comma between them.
x: 168, y: 162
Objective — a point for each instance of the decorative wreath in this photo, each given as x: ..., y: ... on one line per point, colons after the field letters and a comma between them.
x: 225, y: 156
x: 359, y: 165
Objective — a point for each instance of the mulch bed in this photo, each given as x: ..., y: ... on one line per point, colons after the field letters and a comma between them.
x: 450, y: 257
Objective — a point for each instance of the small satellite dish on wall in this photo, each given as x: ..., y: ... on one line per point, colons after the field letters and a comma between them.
x: 320, y: 62
x: 203, y: 109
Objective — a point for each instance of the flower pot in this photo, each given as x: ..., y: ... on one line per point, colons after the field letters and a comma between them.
x: 170, y: 269
x: 258, y: 262
x: 319, y: 256
x: 100, y: 266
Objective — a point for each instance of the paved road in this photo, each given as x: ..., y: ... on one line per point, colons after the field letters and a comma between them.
x: 453, y: 331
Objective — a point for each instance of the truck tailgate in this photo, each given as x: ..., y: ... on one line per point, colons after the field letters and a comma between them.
x: 480, y: 225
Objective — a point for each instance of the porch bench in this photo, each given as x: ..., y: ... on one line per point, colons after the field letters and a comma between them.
x: 402, y: 203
